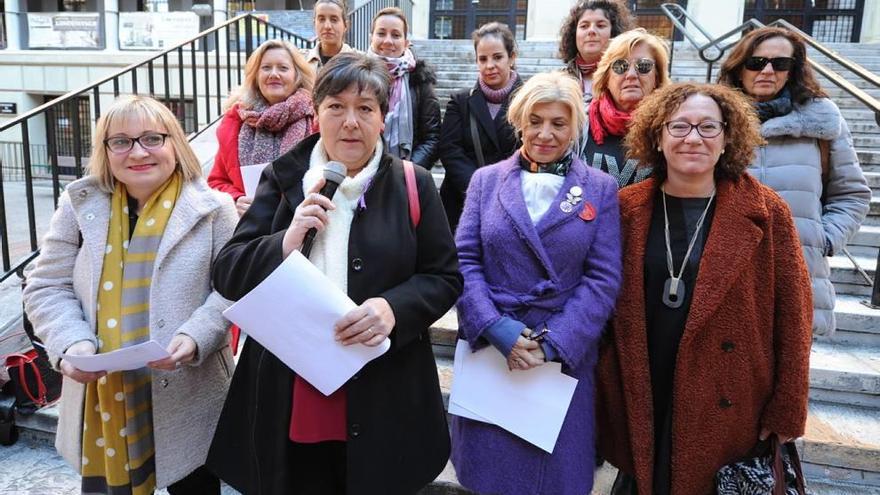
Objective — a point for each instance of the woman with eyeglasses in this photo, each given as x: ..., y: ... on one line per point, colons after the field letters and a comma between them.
x: 586, y: 32
x: 634, y: 65
x: 809, y: 157
x: 126, y: 260
x: 708, y: 353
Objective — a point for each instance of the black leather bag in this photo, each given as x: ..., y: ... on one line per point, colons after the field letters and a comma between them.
x: 760, y: 475
x: 8, y: 430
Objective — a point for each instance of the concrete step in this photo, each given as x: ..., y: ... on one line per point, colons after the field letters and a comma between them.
x: 857, y: 324
x: 845, y: 374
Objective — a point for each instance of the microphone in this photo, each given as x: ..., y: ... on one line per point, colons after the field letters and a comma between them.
x: 334, y: 174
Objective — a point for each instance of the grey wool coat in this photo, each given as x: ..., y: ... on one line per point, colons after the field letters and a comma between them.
x: 61, y: 297
x: 791, y: 164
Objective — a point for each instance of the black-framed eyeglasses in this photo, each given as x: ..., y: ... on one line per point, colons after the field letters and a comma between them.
x: 643, y: 66
x: 779, y: 64
x: 706, y: 128
x: 124, y: 144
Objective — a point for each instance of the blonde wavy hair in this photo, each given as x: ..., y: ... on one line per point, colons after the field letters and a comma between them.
x: 248, y: 94
x: 547, y: 88
x: 622, y: 47
x: 151, y: 112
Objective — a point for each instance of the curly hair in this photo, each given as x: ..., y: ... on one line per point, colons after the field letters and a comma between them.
x: 615, y: 10
x: 801, y: 83
x: 741, y: 133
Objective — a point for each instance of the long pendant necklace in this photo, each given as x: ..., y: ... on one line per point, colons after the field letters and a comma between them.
x: 674, y: 289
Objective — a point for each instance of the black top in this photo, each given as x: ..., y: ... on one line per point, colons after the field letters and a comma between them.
x: 610, y: 157
x: 665, y: 325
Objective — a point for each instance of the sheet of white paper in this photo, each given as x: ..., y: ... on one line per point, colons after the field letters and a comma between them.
x: 250, y: 175
x: 292, y: 312
x: 454, y: 407
x: 530, y: 404
x: 125, y: 359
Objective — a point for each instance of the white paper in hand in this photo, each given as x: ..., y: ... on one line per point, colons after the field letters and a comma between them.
x: 250, y: 175
x: 292, y: 312
x: 529, y: 404
x: 125, y: 359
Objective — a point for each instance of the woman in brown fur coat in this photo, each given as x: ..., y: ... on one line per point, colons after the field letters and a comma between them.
x: 704, y: 360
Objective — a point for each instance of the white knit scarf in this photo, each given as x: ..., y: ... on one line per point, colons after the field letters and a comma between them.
x: 330, y: 250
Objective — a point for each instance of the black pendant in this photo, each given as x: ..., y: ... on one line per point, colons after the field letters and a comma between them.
x: 673, y: 292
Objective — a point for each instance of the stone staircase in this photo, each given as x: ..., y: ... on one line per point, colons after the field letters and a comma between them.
x: 841, y: 449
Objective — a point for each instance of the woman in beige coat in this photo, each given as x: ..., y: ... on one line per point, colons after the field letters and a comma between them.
x: 127, y: 259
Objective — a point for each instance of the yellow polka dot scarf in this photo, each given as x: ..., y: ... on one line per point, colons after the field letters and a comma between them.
x: 118, y: 451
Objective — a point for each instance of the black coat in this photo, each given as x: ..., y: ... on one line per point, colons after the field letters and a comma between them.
x: 497, y: 137
x: 426, y: 106
x: 398, y: 439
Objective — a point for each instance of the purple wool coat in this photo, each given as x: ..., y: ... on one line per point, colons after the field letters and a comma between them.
x: 565, y: 273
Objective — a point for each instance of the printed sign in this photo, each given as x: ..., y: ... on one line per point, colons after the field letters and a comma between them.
x: 8, y: 108
x: 156, y: 30
x: 64, y: 30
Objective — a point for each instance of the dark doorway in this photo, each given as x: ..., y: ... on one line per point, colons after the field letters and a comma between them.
x: 828, y: 21
x: 457, y: 19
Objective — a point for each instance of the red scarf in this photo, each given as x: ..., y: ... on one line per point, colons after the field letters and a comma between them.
x: 586, y: 68
x: 606, y: 118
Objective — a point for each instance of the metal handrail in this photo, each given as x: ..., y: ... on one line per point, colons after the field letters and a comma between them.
x: 359, y: 20
x: 196, y: 92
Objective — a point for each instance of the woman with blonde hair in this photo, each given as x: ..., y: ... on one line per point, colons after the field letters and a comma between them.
x: 269, y: 114
x: 708, y: 353
x: 127, y: 260
x: 634, y: 65
x: 539, y: 250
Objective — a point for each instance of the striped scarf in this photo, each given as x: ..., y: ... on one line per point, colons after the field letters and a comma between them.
x: 118, y: 451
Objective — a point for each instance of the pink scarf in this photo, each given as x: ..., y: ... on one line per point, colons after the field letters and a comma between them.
x: 270, y: 131
x: 586, y: 69
x: 606, y: 118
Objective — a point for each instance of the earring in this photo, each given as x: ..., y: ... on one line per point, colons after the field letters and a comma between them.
x: 723, y: 150
x: 659, y: 148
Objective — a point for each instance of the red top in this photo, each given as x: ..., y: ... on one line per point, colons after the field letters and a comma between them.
x: 316, y: 417
x: 226, y: 174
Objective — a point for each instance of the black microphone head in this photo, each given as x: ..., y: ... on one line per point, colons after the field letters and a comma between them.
x: 335, y: 172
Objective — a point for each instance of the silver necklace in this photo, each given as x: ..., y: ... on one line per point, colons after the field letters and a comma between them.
x: 674, y: 289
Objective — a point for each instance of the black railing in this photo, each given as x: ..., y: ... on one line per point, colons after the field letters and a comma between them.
x: 713, y: 50
x: 359, y: 20
x: 193, y: 79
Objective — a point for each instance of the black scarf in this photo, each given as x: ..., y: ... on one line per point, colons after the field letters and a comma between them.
x: 777, y: 107
x: 559, y: 167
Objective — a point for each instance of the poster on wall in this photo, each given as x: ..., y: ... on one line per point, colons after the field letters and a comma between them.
x: 64, y: 30
x: 156, y: 30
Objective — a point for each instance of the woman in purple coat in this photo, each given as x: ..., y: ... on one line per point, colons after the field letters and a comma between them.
x: 540, y: 251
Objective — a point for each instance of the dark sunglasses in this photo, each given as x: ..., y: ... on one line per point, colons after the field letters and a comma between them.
x: 643, y: 66
x: 779, y: 64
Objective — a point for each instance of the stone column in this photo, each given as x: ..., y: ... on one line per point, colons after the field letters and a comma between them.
x: 715, y: 17
x: 871, y: 22
x: 111, y: 25
x: 544, y: 19
x: 14, y: 21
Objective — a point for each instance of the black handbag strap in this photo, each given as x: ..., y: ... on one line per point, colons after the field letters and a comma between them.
x: 780, y: 484
x: 475, y: 137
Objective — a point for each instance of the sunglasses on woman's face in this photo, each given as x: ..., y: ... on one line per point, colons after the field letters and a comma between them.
x: 780, y: 64
x: 643, y: 66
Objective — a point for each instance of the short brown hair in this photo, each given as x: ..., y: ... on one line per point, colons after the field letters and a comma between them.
x: 393, y: 12
x: 615, y: 10
x: 149, y: 110
x: 801, y: 83
x: 248, y: 95
x: 622, y: 47
x: 497, y: 30
x: 741, y: 133
x: 339, y: 3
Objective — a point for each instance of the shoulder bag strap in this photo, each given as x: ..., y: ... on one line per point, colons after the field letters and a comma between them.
x: 412, y: 193
x: 475, y: 137
x: 825, y: 157
x: 24, y: 360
